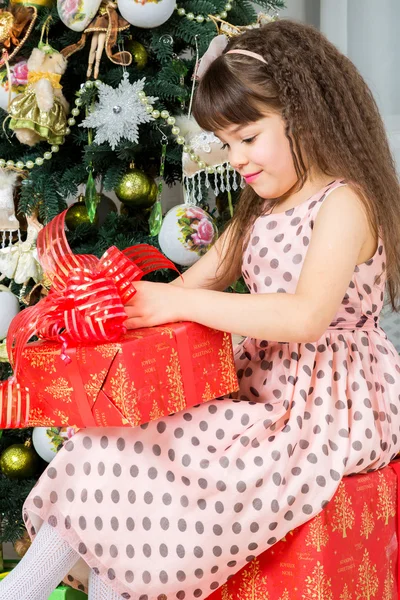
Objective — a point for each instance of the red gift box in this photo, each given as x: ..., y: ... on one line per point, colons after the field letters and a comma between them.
x: 147, y: 374
x: 347, y: 552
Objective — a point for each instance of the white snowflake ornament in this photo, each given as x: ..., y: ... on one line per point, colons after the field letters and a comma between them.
x: 119, y: 112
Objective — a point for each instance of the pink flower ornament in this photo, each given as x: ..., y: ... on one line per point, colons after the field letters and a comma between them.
x: 204, y: 232
x: 19, y: 73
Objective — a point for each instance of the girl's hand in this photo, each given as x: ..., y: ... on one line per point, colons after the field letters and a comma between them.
x: 155, y: 304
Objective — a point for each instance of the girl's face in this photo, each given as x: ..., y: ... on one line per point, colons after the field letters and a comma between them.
x: 260, y: 152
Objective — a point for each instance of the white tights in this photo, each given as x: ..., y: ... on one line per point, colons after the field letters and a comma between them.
x: 44, y: 566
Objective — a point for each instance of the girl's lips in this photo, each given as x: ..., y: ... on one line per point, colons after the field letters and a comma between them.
x: 251, y: 177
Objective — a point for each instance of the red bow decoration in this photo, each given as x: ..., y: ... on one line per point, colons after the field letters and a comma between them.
x: 87, y: 298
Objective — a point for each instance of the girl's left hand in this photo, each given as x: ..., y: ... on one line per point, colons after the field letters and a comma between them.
x: 155, y: 304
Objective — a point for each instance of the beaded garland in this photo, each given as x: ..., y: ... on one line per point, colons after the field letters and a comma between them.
x: 201, y: 18
x: 156, y: 114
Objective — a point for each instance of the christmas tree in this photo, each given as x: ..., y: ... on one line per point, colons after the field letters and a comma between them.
x: 116, y: 91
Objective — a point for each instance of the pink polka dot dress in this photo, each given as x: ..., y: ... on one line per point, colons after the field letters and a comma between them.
x: 171, y: 509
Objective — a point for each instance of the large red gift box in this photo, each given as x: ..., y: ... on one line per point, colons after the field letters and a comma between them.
x: 347, y: 552
x: 147, y: 374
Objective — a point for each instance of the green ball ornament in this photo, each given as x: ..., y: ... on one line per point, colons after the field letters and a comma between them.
x: 139, y: 54
x: 77, y: 214
x: 19, y: 461
x: 136, y: 189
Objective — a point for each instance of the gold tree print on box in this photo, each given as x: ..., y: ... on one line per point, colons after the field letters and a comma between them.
x: 64, y: 418
x: 175, y: 384
x: 367, y: 521
x: 368, y: 582
x: 60, y: 390
x: 344, y: 515
x: 253, y: 584
x: 317, y: 533
x: 285, y: 595
x: 41, y: 358
x: 155, y: 412
x: 388, y: 586
x: 207, y: 392
x: 228, y: 370
x: 386, y: 501
x: 123, y: 393
x: 93, y: 386
x: 318, y: 586
x: 225, y: 595
x: 37, y: 418
x: 345, y: 595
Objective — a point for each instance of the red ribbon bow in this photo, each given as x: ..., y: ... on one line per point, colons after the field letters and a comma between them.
x: 87, y: 298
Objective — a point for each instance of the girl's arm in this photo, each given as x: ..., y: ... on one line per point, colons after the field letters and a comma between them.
x: 340, y: 232
x: 203, y: 273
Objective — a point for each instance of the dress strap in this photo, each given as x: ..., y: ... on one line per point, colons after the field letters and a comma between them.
x: 317, y: 203
x: 332, y: 186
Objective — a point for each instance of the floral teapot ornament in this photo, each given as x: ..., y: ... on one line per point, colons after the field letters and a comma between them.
x: 207, y: 156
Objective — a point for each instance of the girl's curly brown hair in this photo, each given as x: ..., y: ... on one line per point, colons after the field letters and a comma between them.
x: 332, y: 122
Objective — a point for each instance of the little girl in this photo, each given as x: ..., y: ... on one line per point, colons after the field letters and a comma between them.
x: 170, y: 510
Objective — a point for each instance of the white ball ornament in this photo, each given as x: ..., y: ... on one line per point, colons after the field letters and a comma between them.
x: 47, y: 441
x: 9, y: 308
x: 147, y: 13
x: 77, y: 14
x: 186, y: 234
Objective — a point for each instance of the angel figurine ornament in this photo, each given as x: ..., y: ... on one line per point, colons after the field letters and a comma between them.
x: 104, y: 29
x: 20, y: 261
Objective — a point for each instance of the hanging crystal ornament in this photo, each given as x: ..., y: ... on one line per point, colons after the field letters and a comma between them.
x: 92, y: 198
x: 155, y: 220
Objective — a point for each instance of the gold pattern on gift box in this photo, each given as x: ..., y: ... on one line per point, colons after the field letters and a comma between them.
x: 63, y: 417
x: 93, y: 386
x: 388, y: 586
x: 123, y: 393
x: 253, y: 583
x: 37, y: 418
x: 108, y: 350
x: 344, y: 515
x: 345, y: 595
x: 42, y: 358
x: 176, y: 401
x: 368, y: 582
x: 155, y: 412
x: 60, y: 390
x: 318, y: 586
x: 386, y: 501
x: 318, y: 535
x: 367, y: 521
x: 225, y: 595
x: 285, y: 595
x: 167, y: 331
x: 228, y: 371
x: 207, y: 394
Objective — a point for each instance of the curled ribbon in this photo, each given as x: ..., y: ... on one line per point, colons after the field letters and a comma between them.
x: 87, y: 297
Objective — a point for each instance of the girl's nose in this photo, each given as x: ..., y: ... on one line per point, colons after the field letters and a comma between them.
x: 237, y: 158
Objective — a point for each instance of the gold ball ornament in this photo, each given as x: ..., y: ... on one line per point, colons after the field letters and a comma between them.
x: 136, y: 189
x: 6, y: 25
x: 19, y: 461
x: 139, y: 54
x: 77, y: 214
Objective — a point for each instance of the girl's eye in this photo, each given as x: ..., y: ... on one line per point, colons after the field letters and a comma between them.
x: 224, y: 146
x: 250, y: 139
